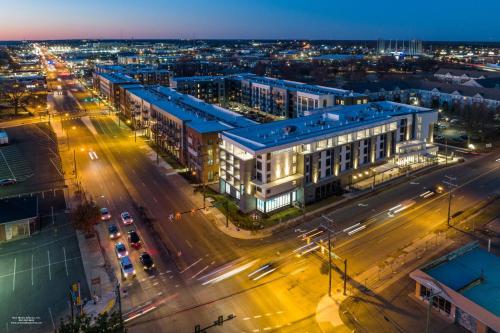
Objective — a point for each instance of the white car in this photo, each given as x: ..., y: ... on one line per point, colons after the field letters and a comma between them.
x: 127, y: 267
x: 105, y: 215
x: 126, y: 218
x: 120, y: 250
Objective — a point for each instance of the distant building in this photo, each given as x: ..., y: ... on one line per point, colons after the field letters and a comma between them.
x: 298, y: 161
x: 288, y: 99
x: 463, y: 286
x: 144, y: 74
x: 18, y: 218
x: 128, y: 59
x: 108, y: 85
x: 210, y: 89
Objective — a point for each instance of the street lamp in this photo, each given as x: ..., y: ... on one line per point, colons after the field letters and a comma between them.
x: 450, y: 184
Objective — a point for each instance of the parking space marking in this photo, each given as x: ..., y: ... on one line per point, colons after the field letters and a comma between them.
x: 7, y: 164
x: 52, y: 319
x: 50, y: 273
x: 14, y: 276
x: 65, y: 261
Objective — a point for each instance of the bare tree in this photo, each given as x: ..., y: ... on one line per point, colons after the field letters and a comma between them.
x: 15, y: 93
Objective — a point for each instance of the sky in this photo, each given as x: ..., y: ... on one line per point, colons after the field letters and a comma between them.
x: 453, y: 20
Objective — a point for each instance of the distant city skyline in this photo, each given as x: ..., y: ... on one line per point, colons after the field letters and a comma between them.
x: 279, y: 19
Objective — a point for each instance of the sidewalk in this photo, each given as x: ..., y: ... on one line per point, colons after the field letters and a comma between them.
x: 99, y: 280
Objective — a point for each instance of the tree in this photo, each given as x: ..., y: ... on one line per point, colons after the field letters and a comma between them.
x: 15, y: 93
x: 85, y: 216
x: 104, y: 323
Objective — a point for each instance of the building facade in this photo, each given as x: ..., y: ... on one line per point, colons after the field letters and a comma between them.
x: 302, y: 160
x: 210, y: 89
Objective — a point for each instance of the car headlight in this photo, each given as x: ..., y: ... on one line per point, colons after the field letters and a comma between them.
x: 133, y: 272
x: 125, y: 274
x: 126, y: 253
x: 118, y: 234
x: 152, y: 265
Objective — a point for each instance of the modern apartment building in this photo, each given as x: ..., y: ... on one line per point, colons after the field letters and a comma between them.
x: 144, y: 74
x: 184, y: 126
x: 108, y: 85
x: 289, y: 99
x: 298, y: 161
x: 210, y: 89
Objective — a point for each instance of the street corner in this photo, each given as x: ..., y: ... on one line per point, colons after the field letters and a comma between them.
x: 328, y: 316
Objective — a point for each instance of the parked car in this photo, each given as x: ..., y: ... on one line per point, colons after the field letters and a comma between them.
x: 134, y: 240
x: 113, y: 231
x: 126, y: 218
x: 146, y: 261
x: 8, y: 181
x: 127, y: 267
x: 120, y: 250
x: 105, y: 215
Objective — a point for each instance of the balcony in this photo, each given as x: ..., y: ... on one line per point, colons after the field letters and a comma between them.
x: 278, y: 186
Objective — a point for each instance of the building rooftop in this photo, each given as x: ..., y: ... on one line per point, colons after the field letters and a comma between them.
x: 209, y: 110
x: 198, y: 78
x: 302, y: 87
x: 188, y: 108
x: 323, y: 122
x: 210, y: 126
x: 117, y: 77
x: 18, y: 208
x: 475, y: 274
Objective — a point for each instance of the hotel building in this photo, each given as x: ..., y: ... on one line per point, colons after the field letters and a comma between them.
x: 298, y: 161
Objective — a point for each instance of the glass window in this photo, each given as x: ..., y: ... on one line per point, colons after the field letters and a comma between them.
x: 261, y: 205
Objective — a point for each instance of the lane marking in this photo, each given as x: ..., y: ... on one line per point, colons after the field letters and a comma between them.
x: 50, y: 273
x: 52, y: 319
x: 14, y: 278
x: 194, y: 263
x: 188, y: 243
x: 201, y: 271
x: 65, y: 261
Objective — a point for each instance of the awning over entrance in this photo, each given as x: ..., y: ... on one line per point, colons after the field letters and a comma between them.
x: 384, y: 167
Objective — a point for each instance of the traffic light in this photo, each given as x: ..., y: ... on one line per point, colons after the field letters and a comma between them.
x: 177, y: 216
x: 220, y: 321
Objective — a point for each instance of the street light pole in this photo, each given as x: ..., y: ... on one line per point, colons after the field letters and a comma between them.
x: 450, y: 185
x: 74, y: 163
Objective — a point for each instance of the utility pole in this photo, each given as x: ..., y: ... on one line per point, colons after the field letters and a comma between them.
x: 74, y: 163
x: 119, y: 299
x: 445, y: 151
x: 345, y: 277
x: 450, y: 184
x: 227, y: 213
x: 330, y: 221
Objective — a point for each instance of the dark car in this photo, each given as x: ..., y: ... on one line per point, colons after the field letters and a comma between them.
x: 8, y: 181
x: 134, y: 240
x: 113, y: 231
x: 146, y: 261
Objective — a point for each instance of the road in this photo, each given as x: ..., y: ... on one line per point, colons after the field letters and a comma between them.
x: 203, y: 274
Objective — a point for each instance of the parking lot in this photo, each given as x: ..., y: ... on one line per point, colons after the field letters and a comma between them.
x: 32, y: 158
x: 35, y: 275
